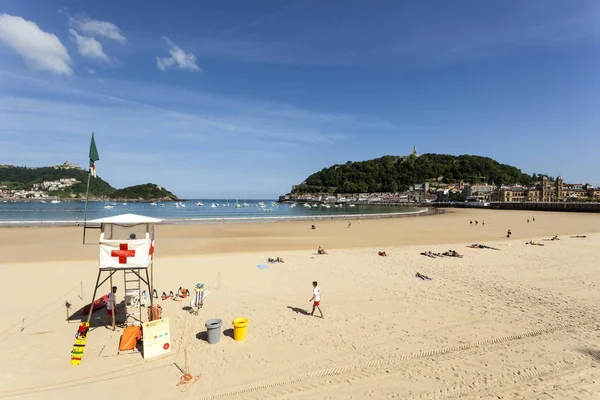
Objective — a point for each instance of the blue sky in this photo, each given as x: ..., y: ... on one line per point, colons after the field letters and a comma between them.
x: 244, y: 99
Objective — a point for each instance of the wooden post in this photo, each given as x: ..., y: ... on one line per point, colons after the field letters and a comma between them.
x: 94, y: 297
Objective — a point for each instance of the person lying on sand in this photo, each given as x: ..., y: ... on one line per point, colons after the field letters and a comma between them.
x: 275, y: 260
x: 531, y: 242
x: 482, y: 246
x: 579, y: 236
x: 553, y: 238
x: 452, y: 253
x: 382, y: 254
x: 321, y: 250
x: 423, y: 277
x: 428, y: 254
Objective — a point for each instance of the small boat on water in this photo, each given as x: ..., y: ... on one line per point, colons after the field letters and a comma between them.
x: 53, y: 201
x: 293, y: 205
x: 43, y: 201
x: 153, y: 203
x: 261, y: 204
x: 179, y: 204
x: 351, y: 205
x: 237, y: 205
x: 307, y: 205
x: 327, y: 206
x: 213, y: 205
x: 124, y: 204
x: 200, y: 204
x: 108, y: 206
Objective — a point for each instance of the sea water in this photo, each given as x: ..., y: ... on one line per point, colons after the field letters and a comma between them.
x: 71, y: 212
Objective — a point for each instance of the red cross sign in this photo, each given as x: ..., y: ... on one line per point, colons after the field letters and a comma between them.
x: 123, y: 253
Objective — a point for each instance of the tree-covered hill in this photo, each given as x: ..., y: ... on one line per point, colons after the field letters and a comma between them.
x: 392, y: 173
x: 148, y: 191
x: 24, y: 178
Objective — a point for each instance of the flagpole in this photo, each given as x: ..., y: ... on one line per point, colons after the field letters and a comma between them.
x: 87, y: 196
x: 87, y: 191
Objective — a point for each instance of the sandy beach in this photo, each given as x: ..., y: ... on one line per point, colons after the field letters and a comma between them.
x: 515, y: 323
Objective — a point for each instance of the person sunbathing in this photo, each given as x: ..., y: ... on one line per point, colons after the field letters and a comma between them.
x: 279, y: 260
x: 579, y: 236
x: 423, y: 277
x: 531, y: 242
x: 553, y: 238
x: 482, y: 246
x: 321, y: 250
x: 382, y: 254
x: 428, y: 254
x: 452, y: 253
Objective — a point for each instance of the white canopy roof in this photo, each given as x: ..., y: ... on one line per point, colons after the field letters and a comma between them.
x: 126, y: 219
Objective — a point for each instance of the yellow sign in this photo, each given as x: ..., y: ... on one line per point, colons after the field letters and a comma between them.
x: 157, y: 338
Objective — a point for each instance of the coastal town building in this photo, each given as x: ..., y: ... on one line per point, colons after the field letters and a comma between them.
x: 67, y: 165
x: 546, y: 190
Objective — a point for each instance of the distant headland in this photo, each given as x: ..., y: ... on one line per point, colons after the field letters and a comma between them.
x: 435, y: 178
x: 69, y: 181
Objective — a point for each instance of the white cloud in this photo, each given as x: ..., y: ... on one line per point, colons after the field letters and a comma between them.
x: 94, y: 27
x: 92, y: 71
x: 88, y: 46
x: 179, y: 59
x: 41, y: 50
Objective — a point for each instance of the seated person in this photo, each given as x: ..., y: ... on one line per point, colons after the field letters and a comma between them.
x: 271, y: 260
x: 555, y: 238
x: 279, y: 259
x: 313, y: 227
x: 321, y: 250
x: 382, y: 254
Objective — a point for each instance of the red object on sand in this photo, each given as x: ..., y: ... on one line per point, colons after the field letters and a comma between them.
x: 98, y: 303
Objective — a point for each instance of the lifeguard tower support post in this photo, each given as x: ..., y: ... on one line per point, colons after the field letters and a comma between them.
x: 127, y: 244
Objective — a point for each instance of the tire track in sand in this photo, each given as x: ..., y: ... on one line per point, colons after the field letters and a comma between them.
x: 340, y: 374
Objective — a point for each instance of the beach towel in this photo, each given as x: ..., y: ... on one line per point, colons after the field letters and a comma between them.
x: 130, y: 337
x: 262, y: 266
x: 154, y: 312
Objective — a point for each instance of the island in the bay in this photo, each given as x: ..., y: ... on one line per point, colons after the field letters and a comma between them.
x: 69, y: 181
x: 435, y: 178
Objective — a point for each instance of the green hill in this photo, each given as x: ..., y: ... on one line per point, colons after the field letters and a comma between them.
x: 25, y: 178
x: 393, y: 173
x: 148, y: 191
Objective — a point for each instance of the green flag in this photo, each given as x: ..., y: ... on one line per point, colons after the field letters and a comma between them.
x: 93, y: 156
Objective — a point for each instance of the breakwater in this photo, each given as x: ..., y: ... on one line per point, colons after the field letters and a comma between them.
x: 550, y: 206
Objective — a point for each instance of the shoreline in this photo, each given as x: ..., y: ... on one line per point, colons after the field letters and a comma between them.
x: 64, y: 243
x: 193, y: 221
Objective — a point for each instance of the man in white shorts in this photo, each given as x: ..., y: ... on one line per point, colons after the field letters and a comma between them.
x: 317, y: 299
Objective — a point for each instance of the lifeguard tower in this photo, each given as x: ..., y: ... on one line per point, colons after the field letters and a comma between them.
x: 127, y: 244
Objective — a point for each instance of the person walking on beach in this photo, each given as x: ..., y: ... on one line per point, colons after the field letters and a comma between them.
x: 508, y: 234
x: 316, y: 299
x: 111, y: 305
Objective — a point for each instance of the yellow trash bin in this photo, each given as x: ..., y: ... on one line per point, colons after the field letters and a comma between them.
x: 239, y: 328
